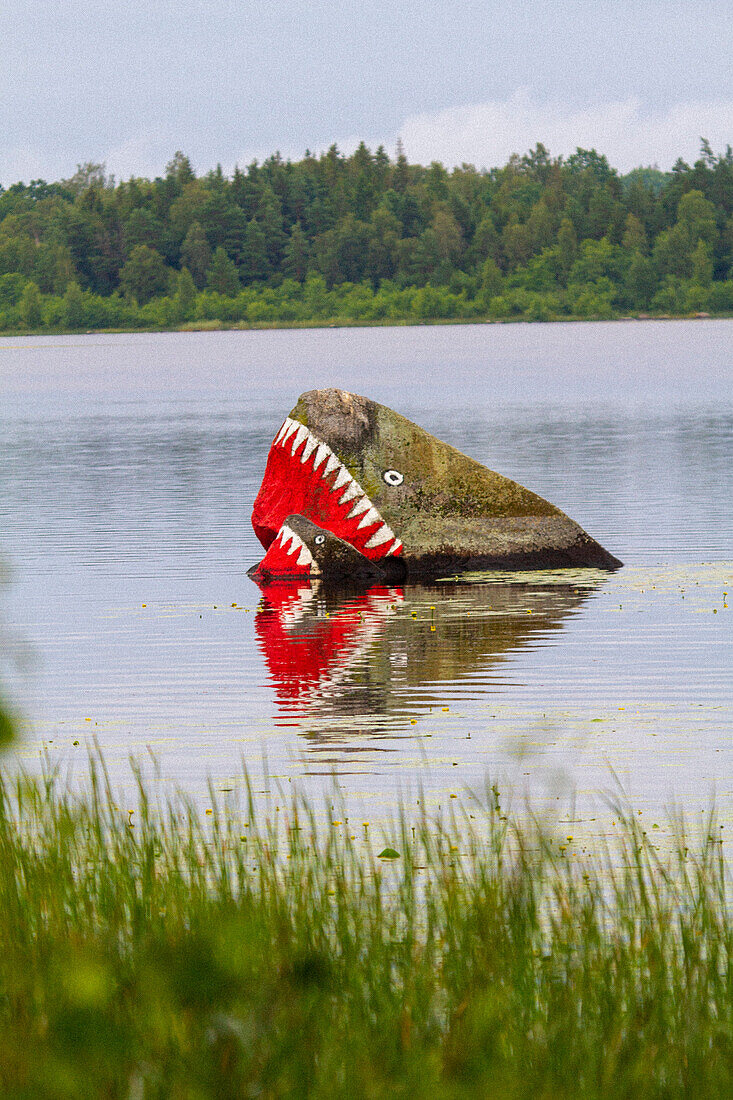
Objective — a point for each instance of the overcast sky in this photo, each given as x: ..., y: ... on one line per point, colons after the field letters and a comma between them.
x: 457, y: 80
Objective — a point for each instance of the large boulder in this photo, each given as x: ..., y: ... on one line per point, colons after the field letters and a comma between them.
x: 392, y: 490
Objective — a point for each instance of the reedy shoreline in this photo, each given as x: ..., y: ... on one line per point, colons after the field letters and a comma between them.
x: 162, y: 954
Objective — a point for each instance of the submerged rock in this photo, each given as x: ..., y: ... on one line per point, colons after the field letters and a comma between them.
x: 389, y: 489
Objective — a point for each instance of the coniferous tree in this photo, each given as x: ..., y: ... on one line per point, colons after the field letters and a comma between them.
x: 640, y: 282
x: 295, y: 260
x: 254, y: 264
x: 401, y: 173
x: 222, y: 274
x: 74, y: 306
x: 568, y: 245
x: 179, y: 169
x: 635, y: 238
x: 185, y: 296
x: 491, y: 280
x: 270, y: 218
x: 142, y: 227
x: 702, y: 264
x: 196, y: 253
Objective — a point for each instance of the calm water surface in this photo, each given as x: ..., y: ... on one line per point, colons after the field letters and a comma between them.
x: 128, y: 467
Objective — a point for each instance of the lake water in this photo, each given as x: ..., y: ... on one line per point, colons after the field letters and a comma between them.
x: 128, y: 467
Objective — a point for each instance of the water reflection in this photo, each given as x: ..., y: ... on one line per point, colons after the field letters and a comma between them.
x: 348, y: 662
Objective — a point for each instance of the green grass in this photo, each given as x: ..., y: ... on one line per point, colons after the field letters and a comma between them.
x: 162, y: 955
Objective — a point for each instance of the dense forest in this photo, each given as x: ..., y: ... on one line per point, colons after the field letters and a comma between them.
x: 367, y: 239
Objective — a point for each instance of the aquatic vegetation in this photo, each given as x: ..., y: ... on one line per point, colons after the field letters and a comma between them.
x: 151, y: 952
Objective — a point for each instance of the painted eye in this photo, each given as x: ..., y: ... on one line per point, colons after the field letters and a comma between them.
x: 393, y: 477
x: 319, y: 539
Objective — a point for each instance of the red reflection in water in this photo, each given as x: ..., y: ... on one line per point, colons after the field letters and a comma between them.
x: 310, y: 642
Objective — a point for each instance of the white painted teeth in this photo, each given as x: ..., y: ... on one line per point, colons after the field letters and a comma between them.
x: 362, y: 505
x: 342, y: 478
x: 394, y: 548
x: 321, y: 453
x: 286, y: 537
x: 331, y: 465
x: 369, y: 518
x: 300, y: 435
x: 310, y: 446
x: 287, y: 430
x: 384, y: 534
x: 350, y: 492
x: 293, y: 544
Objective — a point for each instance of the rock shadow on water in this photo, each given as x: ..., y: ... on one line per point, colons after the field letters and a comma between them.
x: 350, y: 664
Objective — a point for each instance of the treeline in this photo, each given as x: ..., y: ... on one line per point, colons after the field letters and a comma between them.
x: 366, y: 238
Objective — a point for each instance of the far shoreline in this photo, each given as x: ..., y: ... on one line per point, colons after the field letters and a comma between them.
x: 345, y: 322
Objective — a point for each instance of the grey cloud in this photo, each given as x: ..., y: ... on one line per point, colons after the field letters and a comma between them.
x: 93, y: 80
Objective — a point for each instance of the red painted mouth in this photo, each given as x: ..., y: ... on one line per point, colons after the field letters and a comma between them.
x: 304, y: 476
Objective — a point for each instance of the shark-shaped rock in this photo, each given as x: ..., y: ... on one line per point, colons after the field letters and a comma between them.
x: 391, y: 490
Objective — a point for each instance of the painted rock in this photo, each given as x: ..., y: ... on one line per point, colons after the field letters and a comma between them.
x: 390, y: 489
x: 302, y: 549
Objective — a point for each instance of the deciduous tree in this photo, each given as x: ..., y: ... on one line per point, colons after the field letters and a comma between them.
x: 30, y: 306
